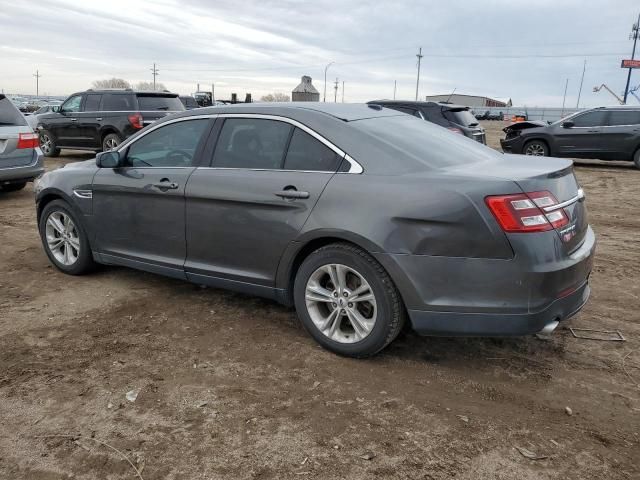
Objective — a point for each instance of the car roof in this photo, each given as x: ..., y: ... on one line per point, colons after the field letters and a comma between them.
x: 616, y: 107
x: 416, y: 103
x: 125, y: 91
x: 347, y: 112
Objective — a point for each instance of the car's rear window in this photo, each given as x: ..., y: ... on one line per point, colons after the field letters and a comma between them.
x: 159, y: 102
x: 461, y: 117
x: 9, y: 114
x: 426, y: 142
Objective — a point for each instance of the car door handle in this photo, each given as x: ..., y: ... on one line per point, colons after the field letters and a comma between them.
x: 166, y: 185
x: 292, y: 194
x: 73, y: 119
x: 99, y: 119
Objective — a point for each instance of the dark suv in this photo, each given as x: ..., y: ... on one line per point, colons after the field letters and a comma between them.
x: 100, y: 120
x: 456, y: 118
x: 605, y: 133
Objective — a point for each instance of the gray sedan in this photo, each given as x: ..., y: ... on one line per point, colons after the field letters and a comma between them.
x: 20, y: 156
x: 359, y: 216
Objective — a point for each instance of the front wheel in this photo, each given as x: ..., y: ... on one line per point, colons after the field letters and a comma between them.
x: 636, y: 159
x: 536, y: 148
x: 48, y: 144
x: 347, y: 301
x: 64, y: 239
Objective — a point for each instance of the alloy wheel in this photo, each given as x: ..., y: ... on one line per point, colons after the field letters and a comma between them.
x: 45, y: 143
x: 341, y: 303
x: 535, y: 149
x: 63, y: 238
x: 111, y: 143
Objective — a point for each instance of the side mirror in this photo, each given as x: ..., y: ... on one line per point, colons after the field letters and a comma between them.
x: 567, y: 124
x: 110, y: 159
x: 55, y: 108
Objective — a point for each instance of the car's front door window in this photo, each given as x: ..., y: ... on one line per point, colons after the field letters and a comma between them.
x: 590, y: 119
x: 72, y: 105
x: 173, y: 145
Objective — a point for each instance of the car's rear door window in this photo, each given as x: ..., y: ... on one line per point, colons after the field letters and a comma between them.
x: 590, y: 119
x: 10, y: 116
x: 92, y: 102
x: 172, y: 145
x: 309, y: 154
x: 117, y: 102
x: 623, y: 117
x: 251, y: 143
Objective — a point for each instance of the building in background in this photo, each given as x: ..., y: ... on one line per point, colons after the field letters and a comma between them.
x: 305, y: 92
x: 470, y: 100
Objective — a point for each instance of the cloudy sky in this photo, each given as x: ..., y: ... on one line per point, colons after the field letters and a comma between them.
x: 523, y: 50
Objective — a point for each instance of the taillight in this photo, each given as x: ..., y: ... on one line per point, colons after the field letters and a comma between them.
x: 455, y: 130
x: 136, y: 120
x: 28, y: 140
x: 525, y: 212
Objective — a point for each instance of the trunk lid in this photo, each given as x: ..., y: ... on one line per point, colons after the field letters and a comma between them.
x: 535, y: 174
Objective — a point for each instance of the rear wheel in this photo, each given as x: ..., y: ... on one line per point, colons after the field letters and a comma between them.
x: 64, y: 239
x: 110, y: 142
x: 636, y: 158
x: 48, y: 144
x: 13, y: 187
x: 347, y: 301
x: 536, y: 148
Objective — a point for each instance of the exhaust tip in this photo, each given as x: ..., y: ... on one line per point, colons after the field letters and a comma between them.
x: 549, y: 328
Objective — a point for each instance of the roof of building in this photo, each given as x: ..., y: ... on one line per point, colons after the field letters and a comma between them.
x: 305, y: 86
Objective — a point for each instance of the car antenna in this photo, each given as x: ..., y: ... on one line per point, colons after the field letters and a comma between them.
x: 451, y: 95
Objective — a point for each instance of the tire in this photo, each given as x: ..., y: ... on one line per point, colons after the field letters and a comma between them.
x: 79, y: 256
x: 636, y: 159
x: 13, y: 187
x: 48, y: 144
x: 111, y: 141
x: 330, y: 323
x: 538, y: 146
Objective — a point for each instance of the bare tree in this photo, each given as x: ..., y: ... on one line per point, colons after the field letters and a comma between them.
x: 149, y: 86
x: 111, y: 83
x: 276, y: 97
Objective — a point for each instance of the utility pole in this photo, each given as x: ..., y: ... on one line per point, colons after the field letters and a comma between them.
x: 37, y: 75
x: 584, y: 67
x: 419, y: 55
x: 394, y: 88
x: 343, y: 91
x: 154, y: 72
x: 335, y: 94
x: 324, y: 97
x: 635, y: 32
x: 566, y: 84
x: 213, y: 94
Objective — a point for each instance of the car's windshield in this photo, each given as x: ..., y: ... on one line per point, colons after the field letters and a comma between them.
x: 9, y: 114
x: 159, y: 102
x: 461, y: 117
x: 430, y: 144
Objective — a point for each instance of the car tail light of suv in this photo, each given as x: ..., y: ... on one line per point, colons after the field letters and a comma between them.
x: 527, y: 212
x: 136, y: 120
x: 28, y: 140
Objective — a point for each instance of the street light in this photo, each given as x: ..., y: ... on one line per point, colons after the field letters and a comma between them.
x: 324, y: 98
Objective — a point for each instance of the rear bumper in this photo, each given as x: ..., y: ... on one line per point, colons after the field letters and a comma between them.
x: 498, y: 324
x: 23, y: 173
x: 494, y: 297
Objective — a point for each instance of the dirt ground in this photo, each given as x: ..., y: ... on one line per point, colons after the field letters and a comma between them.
x: 230, y: 386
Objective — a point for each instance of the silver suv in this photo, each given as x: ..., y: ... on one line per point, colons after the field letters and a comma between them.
x: 21, y: 159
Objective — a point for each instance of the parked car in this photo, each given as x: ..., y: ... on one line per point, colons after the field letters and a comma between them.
x: 99, y: 120
x: 189, y: 102
x: 455, y: 118
x: 356, y: 215
x: 33, y: 119
x: 607, y: 133
x: 20, y: 157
